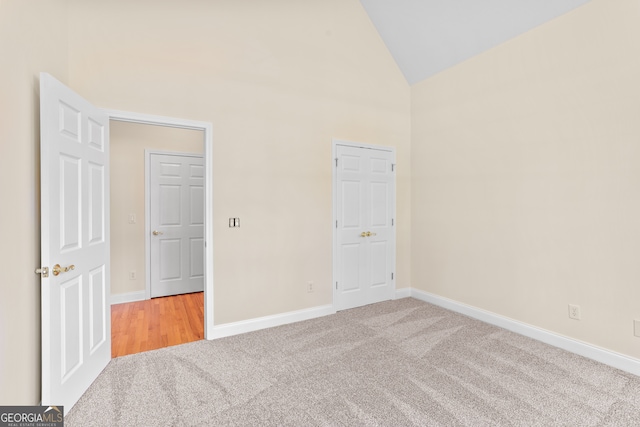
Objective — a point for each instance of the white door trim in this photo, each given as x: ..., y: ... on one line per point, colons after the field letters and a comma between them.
x: 147, y: 210
x: 207, y: 128
x: 334, y: 196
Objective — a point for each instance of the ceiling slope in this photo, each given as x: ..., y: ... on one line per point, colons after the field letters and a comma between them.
x: 429, y: 36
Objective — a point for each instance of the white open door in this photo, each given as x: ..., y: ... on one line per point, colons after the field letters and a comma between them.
x: 76, y: 316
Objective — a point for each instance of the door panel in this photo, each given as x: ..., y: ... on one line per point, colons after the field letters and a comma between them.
x: 196, y: 257
x: 96, y: 135
x: 71, y: 328
x: 98, y: 308
x: 74, y: 203
x: 349, y: 261
x: 379, y: 202
x: 169, y: 204
x: 177, y: 217
x: 96, y: 204
x: 351, y: 199
x: 365, y: 236
x: 170, y: 254
x: 70, y: 208
x: 379, y: 263
x: 196, y: 198
x: 378, y: 165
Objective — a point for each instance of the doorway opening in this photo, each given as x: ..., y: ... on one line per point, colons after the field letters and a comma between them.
x: 140, y: 323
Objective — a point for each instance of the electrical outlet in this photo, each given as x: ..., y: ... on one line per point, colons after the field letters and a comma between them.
x: 309, y: 286
x: 133, y: 275
x: 574, y: 312
x: 636, y: 328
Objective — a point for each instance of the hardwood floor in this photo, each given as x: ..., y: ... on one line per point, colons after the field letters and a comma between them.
x: 156, y: 323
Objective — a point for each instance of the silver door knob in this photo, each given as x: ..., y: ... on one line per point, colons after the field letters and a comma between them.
x: 156, y: 233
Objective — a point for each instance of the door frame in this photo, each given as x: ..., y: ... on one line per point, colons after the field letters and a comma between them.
x: 207, y: 129
x: 334, y: 197
x: 148, y: 152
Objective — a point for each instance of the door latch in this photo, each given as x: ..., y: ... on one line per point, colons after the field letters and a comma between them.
x: 43, y: 272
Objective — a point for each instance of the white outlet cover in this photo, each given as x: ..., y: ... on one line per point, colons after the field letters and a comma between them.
x: 574, y: 312
x: 636, y: 328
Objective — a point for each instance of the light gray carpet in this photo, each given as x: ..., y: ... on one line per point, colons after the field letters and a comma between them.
x: 397, y: 363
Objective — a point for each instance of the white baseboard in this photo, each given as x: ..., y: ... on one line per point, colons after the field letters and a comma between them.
x: 608, y: 357
x: 128, y: 297
x: 250, y: 325
x: 403, y: 293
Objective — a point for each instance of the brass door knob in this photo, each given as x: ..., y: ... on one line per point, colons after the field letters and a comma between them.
x: 367, y: 234
x: 57, y: 269
x: 157, y: 233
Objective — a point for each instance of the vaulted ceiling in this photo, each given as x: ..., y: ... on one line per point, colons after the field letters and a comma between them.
x: 426, y: 37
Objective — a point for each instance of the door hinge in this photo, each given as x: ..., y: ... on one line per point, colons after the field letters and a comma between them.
x: 336, y: 285
x: 391, y: 276
x: 43, y: 272
x: 393, y: 167
x: 392, y: 222
x: 336, y: 223
x: 336, y: 162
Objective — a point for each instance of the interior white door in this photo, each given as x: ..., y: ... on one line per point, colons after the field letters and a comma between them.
x: 176, y: 184
x: 365, y: 187
x: 76, y: 316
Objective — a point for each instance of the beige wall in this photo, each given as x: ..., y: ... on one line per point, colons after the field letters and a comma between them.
x: 278, y: 80
x: 526, y: 177
x: 128, y: 144
x: 33, y: 38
